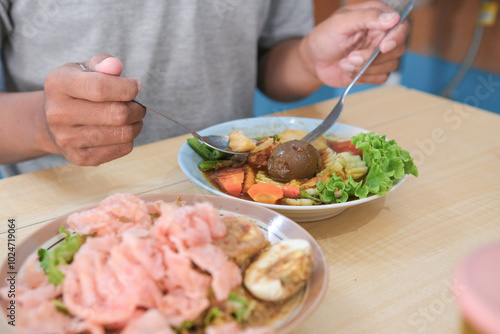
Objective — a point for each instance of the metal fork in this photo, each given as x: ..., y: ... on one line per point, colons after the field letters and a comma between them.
x: 335, y: 113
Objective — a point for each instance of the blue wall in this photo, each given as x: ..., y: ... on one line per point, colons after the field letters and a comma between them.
x: 264, y: 105
x: 478, y: 88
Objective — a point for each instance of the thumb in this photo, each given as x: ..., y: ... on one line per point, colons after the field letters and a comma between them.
x: 106, y: 64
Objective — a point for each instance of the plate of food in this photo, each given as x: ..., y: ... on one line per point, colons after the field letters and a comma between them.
x: 165, y: 263
x: 345, y: 167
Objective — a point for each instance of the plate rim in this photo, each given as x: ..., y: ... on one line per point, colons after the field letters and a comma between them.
x: 43, y: 234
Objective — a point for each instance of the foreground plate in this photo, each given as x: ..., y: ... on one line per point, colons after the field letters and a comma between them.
x: 275, y: 226
x: 265, y: 126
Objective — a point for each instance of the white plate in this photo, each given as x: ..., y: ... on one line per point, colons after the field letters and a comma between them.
x: 265, y: 126
x: 276, y: 227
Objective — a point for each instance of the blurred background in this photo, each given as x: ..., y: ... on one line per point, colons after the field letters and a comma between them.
x: 453, y: 51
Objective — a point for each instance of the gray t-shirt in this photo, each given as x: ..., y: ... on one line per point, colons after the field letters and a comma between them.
x: 197, y: 59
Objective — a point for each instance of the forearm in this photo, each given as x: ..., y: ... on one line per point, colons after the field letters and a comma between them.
x: 23, y: 132
x: 285, y: 72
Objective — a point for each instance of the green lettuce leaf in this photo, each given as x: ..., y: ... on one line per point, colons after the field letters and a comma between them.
x: 386, y: 162
x: 62, y: 254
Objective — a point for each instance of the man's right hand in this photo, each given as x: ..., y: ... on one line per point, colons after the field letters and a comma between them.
x: 89, y: 114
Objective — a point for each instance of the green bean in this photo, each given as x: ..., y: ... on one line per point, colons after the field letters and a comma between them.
x: 218, y: 155
x: 207, y: 165
x: 200, y: 149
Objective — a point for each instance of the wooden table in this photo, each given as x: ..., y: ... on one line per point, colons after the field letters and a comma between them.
x: 391, y: 260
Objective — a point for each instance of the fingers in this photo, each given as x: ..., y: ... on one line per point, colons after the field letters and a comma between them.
x: 81, y: 112
x: 94, y: 145
x: 95, y: 136
x: 90, y: 114
x: 341, y: 45
x: 375, y: 79
x: 376, y: 73
x: 395, y: 38
x: 97, y: 155
x: 94, y: 156
x: 364, y: 17
x: 70, y: 80
x: 367, y: 4
x: 106, y: 64
x: 392, y: 49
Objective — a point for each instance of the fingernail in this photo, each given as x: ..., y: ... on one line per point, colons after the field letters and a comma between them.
x: 387, y: 17
x: 103, y: 63
x: 139, y: 85
x: 346, y: 66
x: 389, y: 45
x: 356, y: 60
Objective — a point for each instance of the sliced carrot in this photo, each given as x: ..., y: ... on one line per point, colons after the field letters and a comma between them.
x: 265, y: 193
x: 249, y: 178
x: 290, y: 191
x: 231, y: 180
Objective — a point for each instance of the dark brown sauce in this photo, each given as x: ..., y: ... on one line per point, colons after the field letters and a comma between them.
x: 335, y: 145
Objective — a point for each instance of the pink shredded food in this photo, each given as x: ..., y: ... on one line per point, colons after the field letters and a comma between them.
x: 147, y: 268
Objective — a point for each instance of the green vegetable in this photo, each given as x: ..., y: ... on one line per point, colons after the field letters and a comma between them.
x: 212, y: 314
x: 334, y: 190
x: 60, y: 306
x: 386, y: 163
x: 209, y: 155
x: 218, y: 155
x: 183, y: 326
x: 242, y: 308
x: 207, y: 165
x: 200, y: 149
x: 62, y: 254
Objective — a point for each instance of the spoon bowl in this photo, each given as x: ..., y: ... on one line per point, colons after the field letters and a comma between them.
x: 219, y: 143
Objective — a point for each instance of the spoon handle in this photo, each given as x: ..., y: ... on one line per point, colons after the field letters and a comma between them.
x: 194, y: 133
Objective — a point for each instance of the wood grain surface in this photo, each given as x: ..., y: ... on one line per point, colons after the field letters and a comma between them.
x: 390, y: 261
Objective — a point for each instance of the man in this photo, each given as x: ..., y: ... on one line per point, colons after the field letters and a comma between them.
x: 73, y: 67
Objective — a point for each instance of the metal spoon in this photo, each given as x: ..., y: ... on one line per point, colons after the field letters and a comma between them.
x: 219, y: 143
x: 335, y: 113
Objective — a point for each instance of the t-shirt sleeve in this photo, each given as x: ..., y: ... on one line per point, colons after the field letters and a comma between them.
x: 287, y: 19
x: 5, y: 22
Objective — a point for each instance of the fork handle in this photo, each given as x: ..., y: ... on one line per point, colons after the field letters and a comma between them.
x: 335, y: 113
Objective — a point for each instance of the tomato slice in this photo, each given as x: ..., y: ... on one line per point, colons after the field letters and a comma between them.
x: 346, y: 146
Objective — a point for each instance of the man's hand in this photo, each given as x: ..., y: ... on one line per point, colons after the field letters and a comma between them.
x: 89, y: 114
x: 339, y: 46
